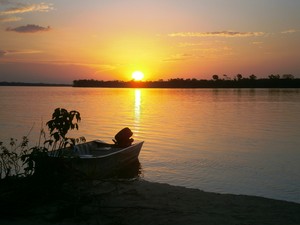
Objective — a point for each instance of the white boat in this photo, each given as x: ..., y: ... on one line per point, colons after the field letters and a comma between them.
x: 94, y: 159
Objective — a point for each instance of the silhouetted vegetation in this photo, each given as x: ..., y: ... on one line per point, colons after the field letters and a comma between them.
x: 273, y: 81
x: 10, y: 157
x: 5, y: 83
x: 19, y: 160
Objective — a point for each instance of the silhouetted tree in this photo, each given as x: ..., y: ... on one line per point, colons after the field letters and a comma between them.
x: 239, y: 76
x: 274, y: 77
x: 252, y: 77
x: 288, y: 76
x: 226, y: 77
x: 215, y: 77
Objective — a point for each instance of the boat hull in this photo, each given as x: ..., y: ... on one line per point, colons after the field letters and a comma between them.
x: 93, y: 161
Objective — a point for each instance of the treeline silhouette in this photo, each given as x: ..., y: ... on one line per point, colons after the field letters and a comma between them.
x: 273, y: 81
x: 5, y: 83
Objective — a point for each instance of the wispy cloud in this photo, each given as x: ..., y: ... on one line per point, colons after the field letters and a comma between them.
x: 226, y: 34
x: 178, y: 57
x: 290, y: 31
x: 11, y: 52
x: 14, y: 8
x: 20, y: 8
x: 5, y: 2
x: 98, y: 66
x: 257, y: 42
x: 29, y: 28
x: 9, y: 19
x: 188, y: 44
x: 2, y: 53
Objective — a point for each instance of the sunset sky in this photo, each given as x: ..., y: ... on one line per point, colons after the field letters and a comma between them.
x: 62, y: 40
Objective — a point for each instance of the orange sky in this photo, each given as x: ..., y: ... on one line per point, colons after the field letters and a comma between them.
x: 59, y: 41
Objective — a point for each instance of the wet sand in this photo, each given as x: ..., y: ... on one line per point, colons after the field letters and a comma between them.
x: 133, y: 202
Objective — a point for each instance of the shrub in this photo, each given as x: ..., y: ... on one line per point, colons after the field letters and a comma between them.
x: 11, y: 158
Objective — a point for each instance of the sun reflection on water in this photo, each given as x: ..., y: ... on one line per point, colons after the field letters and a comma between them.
x: 137, y: 105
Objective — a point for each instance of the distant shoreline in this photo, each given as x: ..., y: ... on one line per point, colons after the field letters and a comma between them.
x: 172, y: 83
x: 33, y: 84
x: 271, y: 82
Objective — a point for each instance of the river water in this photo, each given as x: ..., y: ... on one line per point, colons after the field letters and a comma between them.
x: 239, y: 141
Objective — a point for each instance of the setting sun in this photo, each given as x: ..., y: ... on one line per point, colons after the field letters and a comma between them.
x: 137, y: 75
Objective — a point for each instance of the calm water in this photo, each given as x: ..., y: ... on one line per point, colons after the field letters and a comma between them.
x: 220, y: 140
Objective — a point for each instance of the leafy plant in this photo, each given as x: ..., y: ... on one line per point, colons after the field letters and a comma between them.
x: 10, y: 157
x: 61, y: 123
x: 29, y: 160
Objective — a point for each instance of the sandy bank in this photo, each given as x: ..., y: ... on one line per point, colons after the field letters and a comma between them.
x: 138, y: 202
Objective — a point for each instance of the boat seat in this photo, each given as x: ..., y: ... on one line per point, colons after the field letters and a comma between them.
x: 81, y: 150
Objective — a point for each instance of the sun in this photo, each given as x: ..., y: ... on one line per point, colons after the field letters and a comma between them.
x: 137, y: 75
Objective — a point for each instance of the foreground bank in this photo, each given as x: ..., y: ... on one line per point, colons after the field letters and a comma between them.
x: 137, y: 202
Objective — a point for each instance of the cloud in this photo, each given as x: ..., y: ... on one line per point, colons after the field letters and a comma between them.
x: 2, y: 53
x: 178, y: 57
x: 29, y: 28
x: 290, y: 31
x: 257, y: 42
x: 20, y: 8
x: 187, y: 44
x: 99, y: 67
x: 9, y: 19
x: 5, y: 2
x: 216, y: 34
x: 10, y: 52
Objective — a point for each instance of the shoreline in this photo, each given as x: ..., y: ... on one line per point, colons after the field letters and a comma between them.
x: 138, y: 202
x: 242, y: 83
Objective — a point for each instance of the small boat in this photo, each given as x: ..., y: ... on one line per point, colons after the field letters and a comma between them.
x: 94, y: 159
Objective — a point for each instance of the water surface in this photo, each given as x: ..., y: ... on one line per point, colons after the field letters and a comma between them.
x: 240, y: 141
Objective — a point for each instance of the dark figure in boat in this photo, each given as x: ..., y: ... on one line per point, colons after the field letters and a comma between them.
x: 123, y: 138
